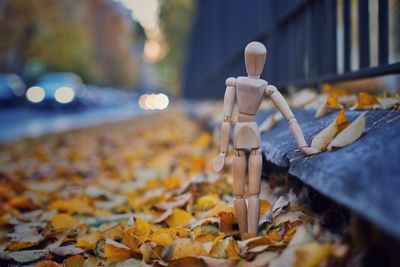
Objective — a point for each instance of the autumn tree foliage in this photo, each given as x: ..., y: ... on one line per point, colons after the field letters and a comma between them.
x: 91, y: 38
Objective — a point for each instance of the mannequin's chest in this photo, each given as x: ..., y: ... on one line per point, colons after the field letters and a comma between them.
x: 249, y: 94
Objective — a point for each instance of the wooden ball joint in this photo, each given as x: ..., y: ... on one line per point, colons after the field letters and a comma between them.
x: 247, y: 93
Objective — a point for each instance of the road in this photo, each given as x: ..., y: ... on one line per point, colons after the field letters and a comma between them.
x: 18, y: 122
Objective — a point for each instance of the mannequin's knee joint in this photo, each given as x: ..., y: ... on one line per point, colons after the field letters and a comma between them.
x: 256, y: 151
x: 254, y: 195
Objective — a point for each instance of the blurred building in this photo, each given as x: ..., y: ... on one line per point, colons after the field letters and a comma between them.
x: 308, y: 41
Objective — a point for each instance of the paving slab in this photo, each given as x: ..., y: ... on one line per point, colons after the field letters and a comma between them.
x: 364, y: 176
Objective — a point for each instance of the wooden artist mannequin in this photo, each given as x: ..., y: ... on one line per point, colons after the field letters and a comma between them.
x: 248, y: 92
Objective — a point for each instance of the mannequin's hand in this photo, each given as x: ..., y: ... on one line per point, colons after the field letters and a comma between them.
x: 219, y: 162
x: 308, y: 151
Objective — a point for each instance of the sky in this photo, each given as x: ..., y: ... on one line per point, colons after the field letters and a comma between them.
x: 144, y: 11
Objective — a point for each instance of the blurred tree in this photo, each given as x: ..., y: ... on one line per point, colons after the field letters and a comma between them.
x: 91, y: 38
x: 175, y: 21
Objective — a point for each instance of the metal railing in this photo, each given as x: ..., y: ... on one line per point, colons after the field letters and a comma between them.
x: 309, y: 41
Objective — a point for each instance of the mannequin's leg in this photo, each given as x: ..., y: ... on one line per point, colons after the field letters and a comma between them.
x: 239, y: 183
x: 255, y: 166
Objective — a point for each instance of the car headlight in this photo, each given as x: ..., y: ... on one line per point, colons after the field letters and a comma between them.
x: 64, y: 95
x: 35, y: 94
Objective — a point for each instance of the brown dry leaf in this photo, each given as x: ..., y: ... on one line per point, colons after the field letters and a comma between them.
x: 74, y: 261
x: 162, y: 217
x: 47, y: 264
x: 227, y: 219
x: 179, y: 218
x: 365, y: 101
x: 311, y: 254
x: 134, y: 236
x: 262, y: 259
x: 183, y: 247
x: 205, y: 233
x: 64, y: 221
x: 214, y: 212
x: 115, y: 251
x: 350, y: 134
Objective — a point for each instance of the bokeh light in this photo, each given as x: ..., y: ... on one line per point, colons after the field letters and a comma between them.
x: 64, y: 95
x: 35, y: 94
x: 153, y: 101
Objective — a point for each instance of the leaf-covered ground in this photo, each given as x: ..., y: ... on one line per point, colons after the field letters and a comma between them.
x: 142, y: 193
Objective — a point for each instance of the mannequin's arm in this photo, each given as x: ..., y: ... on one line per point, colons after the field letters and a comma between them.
x: 229, y: 101
x: 287, y: 113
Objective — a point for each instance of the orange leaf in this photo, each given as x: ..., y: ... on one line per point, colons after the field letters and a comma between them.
x: 365, y: 100
x: 341, y: 121
x: 333, y: 102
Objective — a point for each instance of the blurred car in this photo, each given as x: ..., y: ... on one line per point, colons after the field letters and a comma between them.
x: 57, y: 89
x: 12, y: 89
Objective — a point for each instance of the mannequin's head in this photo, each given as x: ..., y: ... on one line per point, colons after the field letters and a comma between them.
x: 255, y: 55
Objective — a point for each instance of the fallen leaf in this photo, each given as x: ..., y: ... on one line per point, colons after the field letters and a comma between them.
x: 163, y: 239
x: 134, y: 236
x: 67, y: 250
x: 47, y: 264
x: 115, y: 251
x: 350, y: 134
x: 178, y: 218
x: 183, y: 247
x: 388, y: 102
x: 325, y: 137
x: 311, y: 254
x: 64, y: 221
x: 208, y: 201
x: 177, y: 202
x: 74, y: 261
x: 205, y: 233
x: 25, y: 256
x: 365, y: 101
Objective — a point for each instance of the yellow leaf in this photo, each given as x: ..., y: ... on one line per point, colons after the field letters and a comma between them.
x: 183, y: 247
x: 226, y: 248
x: 63, y: 221
x: 136, y: 235
x: 163, y: 239
x: 115, y: 251
x: 311, y: 254
x: 180, y: 232
x: 205, y: 233
x: 350, y: 134
x: 74, y: 261
x: 88, y: 241
x: 365, y: 101
x: 207, y: 201
x: 178, y: 218
x: 333, y: 102
x: 74, y: 205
